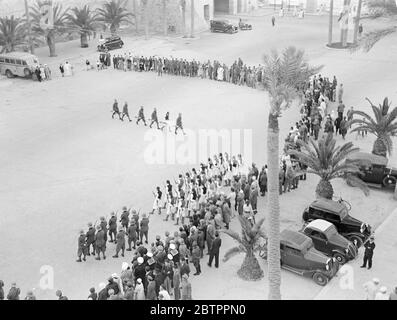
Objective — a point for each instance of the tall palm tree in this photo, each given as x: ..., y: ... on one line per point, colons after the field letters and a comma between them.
x: 114, y: 13
x: 183, y: 13
x: 283, y: 75
x: 331, y: 20
x: 248, y: 243
x: 383, y: 126
x: 11, y: 33
x: 357, y: 21
x: 192, y: 12
x: 59, y: 19
x: 326, y: 160
x: 145, y: 4
x: 84, y: 20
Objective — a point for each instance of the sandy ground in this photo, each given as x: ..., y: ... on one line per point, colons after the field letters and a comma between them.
x: 65, y: 162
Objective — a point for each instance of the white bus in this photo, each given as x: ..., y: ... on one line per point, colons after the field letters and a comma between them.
x: 21, y: 64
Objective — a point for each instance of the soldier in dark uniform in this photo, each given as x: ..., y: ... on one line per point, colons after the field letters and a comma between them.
x: 104, y: 225
x: 90, y: 239
x: 141, y: 116
x: 132, y: 234
x: 135, y: 216
x: 112, y: 227
x: 124, y: 219
x: 154, y: 119
x: 82, y: 249
x: 179, y: 124
x: 125, y: 112
x: 100, y: 242
x: 369, y: 246
x: 120, y: 243
x: 116, y: 109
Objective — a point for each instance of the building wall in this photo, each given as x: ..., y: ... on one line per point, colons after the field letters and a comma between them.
x: 200, y: 21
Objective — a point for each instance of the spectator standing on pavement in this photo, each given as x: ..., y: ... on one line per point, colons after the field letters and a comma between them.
x: 186, y: 288
x: 371, y: 287
x: 214, y: 252
x: 14, y: 292
x: 382, y: 294
x: 340, y: 93
x: 273, y: 21
x: 393, y: 294
x: 369, y: 246
x: 1, y: 290
x: 360, y: 30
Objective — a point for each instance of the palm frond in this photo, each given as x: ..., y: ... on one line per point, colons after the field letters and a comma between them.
x: 369, y: 39
x: 232, y: 252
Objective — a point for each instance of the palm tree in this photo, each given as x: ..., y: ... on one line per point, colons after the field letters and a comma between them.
x: 383, y: 126
x: 284, y: 75
x: 192, y: 18
x: 59, y: 20
x: 84, y: 21
x: 357, y: 21
x: 183, y: 9
x: 248, y: 243
x: 145, y: 17
x: 11, y: 33
x: 164, y: 14
x: 327, y: 161
x: 135, y: 16
x: 331, y: 19
x: 114, y: 13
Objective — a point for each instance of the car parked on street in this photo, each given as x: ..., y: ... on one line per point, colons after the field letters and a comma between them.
x: 244, y: 25
x: 326, y: 239
x: 223, y: 26
x: 374, y: 169
x: 299, y: 255
x: 110, y: 43
x: 336, y: 212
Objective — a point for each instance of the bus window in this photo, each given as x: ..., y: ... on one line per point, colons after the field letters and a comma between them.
x: 1, y: 59
x: 12, y: 61
x: 18, y: 61
x: 24, y: 63
x: 7, y: 60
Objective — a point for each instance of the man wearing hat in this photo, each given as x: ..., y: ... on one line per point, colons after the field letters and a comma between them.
x: 174, y: 253
x: 103, y: 293
x: 371, y: 287
x: 60, y: 296
x: 150, y: 261
x: 112, y: 285
x: 90, y: 239
x: 104, y: 225
x: 120, y: 242
x: 139, y: 271
x: 144, y: 230
x: 186, y: 288
x: 135, y: 216
x: 214, y: 251
x: 112, y: 227
x: 160, y: 256
x: 158, y: 241
x: 81, y: 246
x: 124, y: 219
x: 132, y: 234
x: 369, y: 246
x: 129, y: 291
x: 196, y: 255
x: 100, y: 242
x: 14, y: 292
x: 185, y: 269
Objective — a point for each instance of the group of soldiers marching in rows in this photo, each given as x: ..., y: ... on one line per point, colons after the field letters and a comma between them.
x: 153, y: 119
x: 238, y: 73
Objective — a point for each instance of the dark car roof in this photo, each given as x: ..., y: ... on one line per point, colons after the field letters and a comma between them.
x: 328, y: 205
x: 295, y: 239
x: 220, y: 20
x: 373, y: 158
x: 112, y: 38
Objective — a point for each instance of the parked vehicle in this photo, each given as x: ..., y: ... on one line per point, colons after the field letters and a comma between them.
x: 336, y: 212
x: 223, y: 26
x: 374, y: 169
x: 110, y: 43
x: 299, y: 255
x: 326, y: 239
x: 244, y: 25
x: 21, y: 64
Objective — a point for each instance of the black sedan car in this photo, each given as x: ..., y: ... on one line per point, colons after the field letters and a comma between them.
x: 337, y: 213
x: 326, y: 239
x: 111, y: 43
x: 223, y: 26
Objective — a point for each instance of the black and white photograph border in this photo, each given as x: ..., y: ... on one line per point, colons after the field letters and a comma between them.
x: 198, y: 150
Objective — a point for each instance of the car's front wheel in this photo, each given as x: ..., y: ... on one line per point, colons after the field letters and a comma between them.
x: 357, y: 241
x: 340, y: 258
x: 9, y: 74
x: 320, y: 278
x: 389, y: 181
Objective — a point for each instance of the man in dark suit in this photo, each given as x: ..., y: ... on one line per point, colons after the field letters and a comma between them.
x: 216, y: 244
x: 369, y: 252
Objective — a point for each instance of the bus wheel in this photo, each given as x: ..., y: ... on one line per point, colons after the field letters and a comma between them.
x: 9, y: 74
x: 27, y: 73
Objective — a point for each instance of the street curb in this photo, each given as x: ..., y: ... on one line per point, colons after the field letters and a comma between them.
x: 379, y: 229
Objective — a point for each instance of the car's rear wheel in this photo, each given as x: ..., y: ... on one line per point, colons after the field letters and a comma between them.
x: 357, y: 241
x: 9, y: 74
x: 320, y: 278
x: 389, y: 181
x: 340, y: 258
x: 27, y: 73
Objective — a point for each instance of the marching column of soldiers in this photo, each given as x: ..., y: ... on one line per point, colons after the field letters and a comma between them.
x: 153, y: 120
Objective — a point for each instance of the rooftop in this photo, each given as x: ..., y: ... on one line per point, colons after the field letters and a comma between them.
x: 295, y: 239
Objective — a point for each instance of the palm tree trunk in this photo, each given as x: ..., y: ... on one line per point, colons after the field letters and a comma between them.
x: 357, y: 21
x: 345, y: 30
x: 83, y: 40
x: 183, y: 4
x: 395, y: 193
x: 250, y: 269
x: 331, y: 19
x: 135, y: 16
x: 51, y: 43
x: 191, y: 18
x: 165, y: 27
x: 324, y: 189
x: 274, y: 268
x: 146, y: 19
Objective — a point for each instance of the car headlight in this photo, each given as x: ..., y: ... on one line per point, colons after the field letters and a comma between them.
x: 347, y: 250
x: 327, y: 264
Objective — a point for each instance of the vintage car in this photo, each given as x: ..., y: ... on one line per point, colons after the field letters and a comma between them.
x: 223, y: 26
x: 243, y: 25
x: 110, y: 43
x: 374, y: 169
x: 326, y: 239
x: 336, y: 212
x: 299, y: 255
